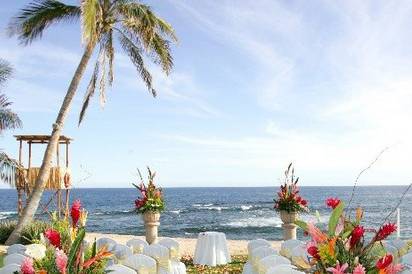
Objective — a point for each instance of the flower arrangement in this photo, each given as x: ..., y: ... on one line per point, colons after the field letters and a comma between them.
x: 289, y: 199
x: 343, y: 247
x: 151, y: 197
x: 64, y: 251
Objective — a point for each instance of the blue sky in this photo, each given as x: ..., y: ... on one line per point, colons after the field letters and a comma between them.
x: 256, y: 85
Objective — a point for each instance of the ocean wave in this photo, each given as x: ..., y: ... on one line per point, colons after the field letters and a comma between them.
x: 116, y: 212
x: 7, y: 214
x: 255, y: 222
x: 177, y: 212
x: 246, y: 207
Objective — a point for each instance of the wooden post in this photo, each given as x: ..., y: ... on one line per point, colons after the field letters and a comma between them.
x: 66, y: 213
x: 19, y: 182
x: 59, y: 194
x: 28, y: 168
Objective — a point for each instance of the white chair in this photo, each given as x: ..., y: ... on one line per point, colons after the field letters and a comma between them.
x: 107, y: 242
x: 300, y: 256
x: 283, y: 269
x: 287, y: 247
x: 255, y: 244
x: 137, y: 245
x: 14, y: 258
x: 120, y: 269
x: 161, y: 255
x: 270, y: 261
x: 35, y: 251
x: 173, y: 246
x: 248, y: 268
x: 121, y: 252
x: 10, y: 269
x: 260, y: 253
x: 407, y: 259
x: 141, y: 263
x: 16, y: 248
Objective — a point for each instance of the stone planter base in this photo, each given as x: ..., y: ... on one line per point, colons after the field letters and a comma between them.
x: 288, y: 226
x: 151, y: 224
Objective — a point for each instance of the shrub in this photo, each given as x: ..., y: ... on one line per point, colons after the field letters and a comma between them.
x: 6, y: 228
x: 30, y: 234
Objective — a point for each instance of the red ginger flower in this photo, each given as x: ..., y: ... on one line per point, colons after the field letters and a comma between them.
x: 384, y: 262
x: 27, y: 266
x: 357, y: 234
x: 314, y: 252
x: 385, y: 231
x: 332, y: 202
x: 53, y: 236
x: 75, y: 212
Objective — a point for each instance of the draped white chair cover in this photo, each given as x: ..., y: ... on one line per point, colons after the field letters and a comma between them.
x: 300, y: 256
x: 407, y: 259
x: 120, y: 269
x: 137, y: 245
x: 173, y: 246
x: 255, y: 244
x: 287, y: 247
x: 141, y: 263
x: 121, y: 252
x: 107, y: 242
x: 248, y: 268
x: 35, y: 251
x: 270, y: 261
x: 283, y: 269
x: 161, y: 255
x: 14, y: 259
x: 10, y: 269
x: 16, y: 248
x: 260, y: 253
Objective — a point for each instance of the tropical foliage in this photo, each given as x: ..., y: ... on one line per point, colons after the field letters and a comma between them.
x: 289, y: 199
x: 344, y: 247
x: 66, y: 252
x: 151, y: 197
x: 140, y: 33
x: 8, y: 120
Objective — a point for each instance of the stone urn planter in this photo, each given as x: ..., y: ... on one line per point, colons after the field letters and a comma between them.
x: 288, y: 226
x: 151, y: 225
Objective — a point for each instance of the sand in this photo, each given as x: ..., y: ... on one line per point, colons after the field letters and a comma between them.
x: 187, y: 245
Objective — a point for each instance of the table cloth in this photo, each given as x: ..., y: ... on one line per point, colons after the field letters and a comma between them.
x: 211, y: 249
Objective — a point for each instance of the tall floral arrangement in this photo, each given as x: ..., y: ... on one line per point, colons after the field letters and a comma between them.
x: 343, y: 248
x: 150, y: 196
x: 289, y: 198
x: 64, y: 250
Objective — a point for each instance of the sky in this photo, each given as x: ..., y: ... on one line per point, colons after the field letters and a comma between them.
x: 256, y: 85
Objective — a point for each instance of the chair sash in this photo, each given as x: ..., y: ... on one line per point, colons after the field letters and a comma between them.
x: 174, y: 254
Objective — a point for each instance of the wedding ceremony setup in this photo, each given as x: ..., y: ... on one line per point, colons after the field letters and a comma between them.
x: 275, y: 137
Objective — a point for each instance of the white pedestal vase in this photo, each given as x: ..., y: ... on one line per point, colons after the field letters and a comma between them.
x: 288, y: 226
x: 151, y: 224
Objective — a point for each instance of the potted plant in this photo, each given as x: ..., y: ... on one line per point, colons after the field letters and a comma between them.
x: 289, y: 203
x: 150, y: 204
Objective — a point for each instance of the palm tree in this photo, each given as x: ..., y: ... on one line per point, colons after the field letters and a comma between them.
x: 8, y: 120
x: 140, y: 33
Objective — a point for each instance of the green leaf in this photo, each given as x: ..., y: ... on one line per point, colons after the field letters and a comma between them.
x: 301, y: 224
x: 334, y: 218
x: 94, y: 248
x: 75, y: 247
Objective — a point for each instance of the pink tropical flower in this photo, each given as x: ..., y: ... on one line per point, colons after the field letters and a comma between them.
x: 394, y: 269
x: 61, y: 261
x: 359, y: 269
x: 338, y: 269
x: 317, y: 235
x: 27, y: 266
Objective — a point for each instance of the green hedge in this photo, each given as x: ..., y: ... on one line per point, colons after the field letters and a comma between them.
x: 30, y: 234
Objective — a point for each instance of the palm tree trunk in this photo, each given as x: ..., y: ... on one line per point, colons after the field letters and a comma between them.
x: 35, y: 197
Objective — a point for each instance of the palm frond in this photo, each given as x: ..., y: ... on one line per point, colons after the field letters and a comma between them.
x: 5, y: 71
x: 149, y: 30
x: 134, y: 53
x: 33, y: 19
x: 91, y: 17
x: 8, y: 169
x: 89, y: 92
x: 8, y: 119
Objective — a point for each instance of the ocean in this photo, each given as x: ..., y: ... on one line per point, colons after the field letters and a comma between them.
x: 241, y: 213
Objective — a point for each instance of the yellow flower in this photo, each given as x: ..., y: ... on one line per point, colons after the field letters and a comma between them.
x: 83, y: 217
x: 359, y: 214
